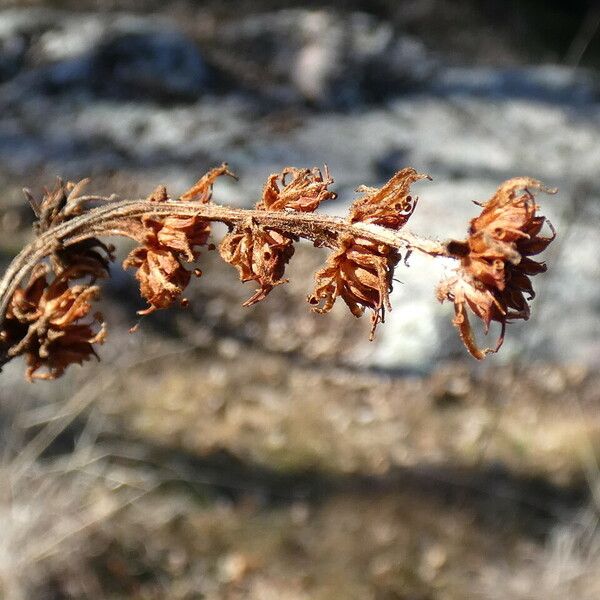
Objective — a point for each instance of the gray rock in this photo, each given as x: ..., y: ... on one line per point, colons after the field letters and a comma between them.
x: 12, y: 54
x: 330, y: 59
x: 549, y: 83
x: 111, y: 56
x: 149, y: 64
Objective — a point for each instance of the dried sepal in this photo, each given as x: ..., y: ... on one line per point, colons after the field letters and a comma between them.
x: 183, y: 235
x: 61, y: 203
x: 180, y: 235
x: 391, y: 205
x: 259, y: 254
x: 493, y: 279
x: 301, y: 190
x: 159, y: 194
x: 201, y: 191
x: 468, y: 293
x: 361, y: 274
x: 44, y: 323
x: 88, y: 258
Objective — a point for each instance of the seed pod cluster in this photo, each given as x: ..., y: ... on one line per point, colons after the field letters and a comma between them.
x: 50, y: 320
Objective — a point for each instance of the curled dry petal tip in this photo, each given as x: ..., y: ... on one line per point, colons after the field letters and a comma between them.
x: 391, y: 205
x: 301, y: 190
x: 201, y: 191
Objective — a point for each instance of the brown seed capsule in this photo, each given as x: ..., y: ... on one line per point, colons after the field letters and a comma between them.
x: 493, y: 279
x: 44, y: 323
x: 360, y: 271
x: 261, y: 253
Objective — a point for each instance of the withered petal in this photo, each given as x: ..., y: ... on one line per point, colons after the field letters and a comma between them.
x: 161, y: 276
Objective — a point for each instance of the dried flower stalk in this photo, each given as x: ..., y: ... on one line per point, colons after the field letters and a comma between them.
x: 48, y: 320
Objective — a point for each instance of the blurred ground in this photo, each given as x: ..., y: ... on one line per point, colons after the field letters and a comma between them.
x: 223, y: 452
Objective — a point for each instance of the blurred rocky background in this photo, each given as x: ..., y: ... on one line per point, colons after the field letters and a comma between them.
x: 230, y: 453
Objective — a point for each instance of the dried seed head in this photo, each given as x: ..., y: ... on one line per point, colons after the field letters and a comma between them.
x: 361, y: 274
x: 161, y: 275
x: 167, y: 241
x: 493, y: 279
x: 261, y: 253
x: 44, y: 323
x: 44, y: 320
x: 360, y: 271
